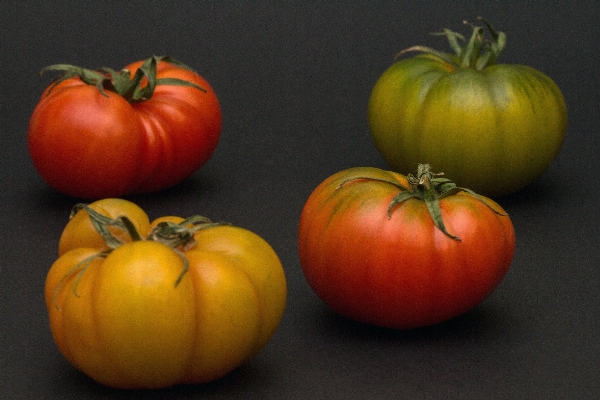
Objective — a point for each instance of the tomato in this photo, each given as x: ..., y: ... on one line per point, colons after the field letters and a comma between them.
x: 398, y: 252
x: 97, y: 134
x: 187, y: 302
x: 493, y: 127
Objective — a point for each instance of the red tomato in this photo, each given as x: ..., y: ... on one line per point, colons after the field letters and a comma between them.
x: 377, y: 253
x: 126, y: 138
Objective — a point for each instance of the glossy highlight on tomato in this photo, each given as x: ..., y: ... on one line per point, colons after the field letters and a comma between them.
x: 147, y: 127
x: 376, y: 248
x: 493, y: 127
x: 184, y: 301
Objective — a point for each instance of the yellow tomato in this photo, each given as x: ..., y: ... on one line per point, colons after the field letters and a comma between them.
x: 147, y: 315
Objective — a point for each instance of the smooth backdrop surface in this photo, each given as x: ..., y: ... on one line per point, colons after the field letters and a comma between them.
x: 293, y: 79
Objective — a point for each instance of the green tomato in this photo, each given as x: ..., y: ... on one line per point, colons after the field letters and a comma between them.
x: 493, y: 127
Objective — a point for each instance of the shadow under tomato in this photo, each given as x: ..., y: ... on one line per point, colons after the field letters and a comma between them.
x: 46, y: 198
x: 198, y: 183
x: 487, y: 319
x: 248, y: 378
x: 543, y: 190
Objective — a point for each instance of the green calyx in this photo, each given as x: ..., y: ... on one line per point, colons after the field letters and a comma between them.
x: 477, y: 53
x: 177, y: 236
x: 122, y: 82
x: 428, y: 187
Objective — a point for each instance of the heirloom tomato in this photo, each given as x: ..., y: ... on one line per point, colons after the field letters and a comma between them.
x: 493, y: 127
x: 97, y: 134
x: 402, y: 252
x: 184, y: 301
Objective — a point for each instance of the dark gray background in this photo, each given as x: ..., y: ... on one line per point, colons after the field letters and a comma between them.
x: 293, y: 79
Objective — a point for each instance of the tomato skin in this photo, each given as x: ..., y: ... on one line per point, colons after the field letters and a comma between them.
x: 171, y: 117
x: 92, y: 146
x: 493, y: 130
x: 126, y: 323
x: 115, y: 336
x: 80, y: 232
x: 84, y: 144
x: 401, y: 272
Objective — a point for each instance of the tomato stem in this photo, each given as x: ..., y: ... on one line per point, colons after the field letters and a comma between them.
x: 429, y: 187
x: 477, y: 53
x: 82, y: 267
x: 102, y: 224
x: 133, y: 89
x: 179, y: 237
